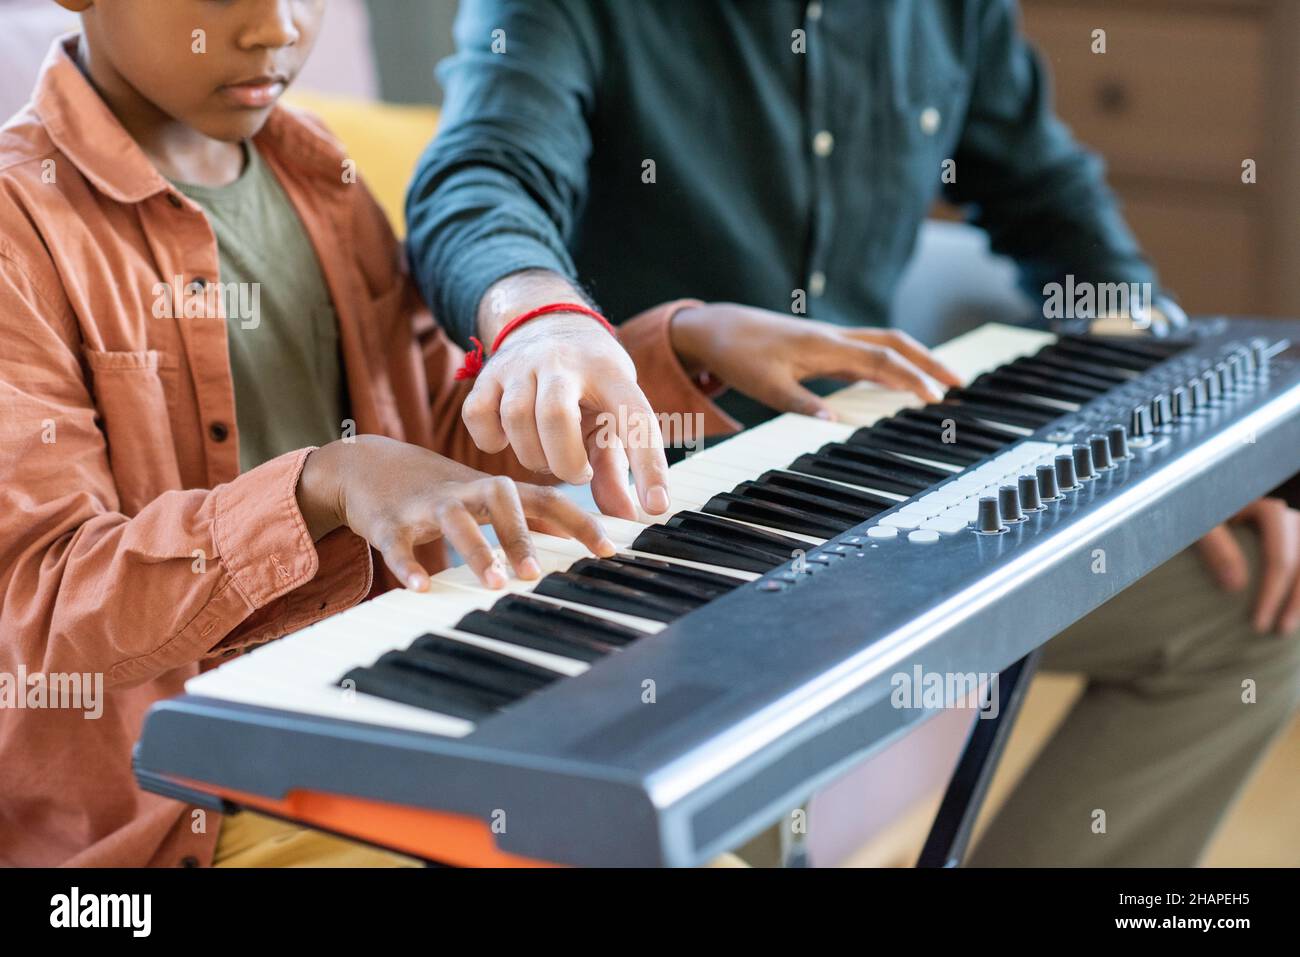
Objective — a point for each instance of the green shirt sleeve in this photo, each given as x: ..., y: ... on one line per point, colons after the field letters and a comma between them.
x: 498, y: 191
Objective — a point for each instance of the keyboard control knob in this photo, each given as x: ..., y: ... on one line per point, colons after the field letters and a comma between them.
x: 1117, y: 436
x: 1141, y: 425
x: 1241, y: 375
x: 1162, y: 411
x: 1100, y: 446
x: 989, y: 519
x: 1259, y: 350
x: 1182, y: 403
x: 1030, y: 500
x: 1247, y: 359
x: 1196, y: 389
x: 1009, y: 504
x: 1224, y: 371
x: 1048, y: 490
x: 1066, y: 480
x: 1083, y: 464
x: 1213, y: 388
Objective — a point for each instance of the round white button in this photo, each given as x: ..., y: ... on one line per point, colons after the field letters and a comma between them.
x: 823, y: 143
x: 930, y: 121
x: 814, y: 11
x: 923, y: 536
x: 882, y: 531
x: 817, y: 283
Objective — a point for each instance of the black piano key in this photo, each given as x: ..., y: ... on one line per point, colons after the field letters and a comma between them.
x: 867, y: 503
x: 880, y: 437
x: 512, y: 629
x: 930, y: 432
x: 1020, y: 418
x: 565, y: 623
x: 938, y: 417
x: 717, y: 584
x: 1017, y: 402
x: 613, y: 596
x: 808, y: 500
x: 1052, y: 357
x: 653, y: 580
x: 712, y: 540
x: 1095, y: 352
x: 707, y: 549
x: 384, y: 680
x: 1154, y: 351
x: 1010, y: 380
x: 846, y: 470
x: 1064, y: 372
x: 883, y: 460
x: 469, y: 664
x: 773, y: 515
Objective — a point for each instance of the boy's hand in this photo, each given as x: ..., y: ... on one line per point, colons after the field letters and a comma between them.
x: 397, y: 496
x: 766, y: 355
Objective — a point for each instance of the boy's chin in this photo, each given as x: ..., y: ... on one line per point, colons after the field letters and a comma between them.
x: 236, y: 127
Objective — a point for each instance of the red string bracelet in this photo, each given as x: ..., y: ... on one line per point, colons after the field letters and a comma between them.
x: 474, y: 359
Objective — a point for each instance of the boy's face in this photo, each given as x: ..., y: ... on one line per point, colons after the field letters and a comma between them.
x: 218, y: 66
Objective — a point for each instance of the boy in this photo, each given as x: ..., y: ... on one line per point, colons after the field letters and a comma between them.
x: 183, y: 478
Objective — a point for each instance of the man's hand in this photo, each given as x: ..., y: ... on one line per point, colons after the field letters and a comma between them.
x: 542, y: 392
x: 767, y: 355
x: 1277, y: 605
x: 397, y: 496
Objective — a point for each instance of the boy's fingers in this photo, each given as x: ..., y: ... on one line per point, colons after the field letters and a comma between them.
x: 638, y: 431
x: 551, y: 507
x: 559, y: 428
x: 462, y: 532
x: 916, y: 353
x: 481, y: 414
x: 507, y: 515
x: 519, y: 419
x: 399, y: 556
x: 884, y: 365
x: 787, y: 395
x: 1224, y: 559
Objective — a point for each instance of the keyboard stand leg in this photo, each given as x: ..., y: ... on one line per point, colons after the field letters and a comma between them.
x: 951, y: 832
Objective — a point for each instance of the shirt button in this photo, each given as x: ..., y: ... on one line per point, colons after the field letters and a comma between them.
x: 218, y: 431
x: 823, y: 143
x: 814, y: 11
x: 930, y: 121
x: 817, y: 283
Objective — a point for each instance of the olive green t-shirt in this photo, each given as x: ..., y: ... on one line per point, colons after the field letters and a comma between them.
x: 280, y: 321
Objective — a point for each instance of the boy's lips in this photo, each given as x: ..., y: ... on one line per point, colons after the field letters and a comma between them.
x: 256, y: 92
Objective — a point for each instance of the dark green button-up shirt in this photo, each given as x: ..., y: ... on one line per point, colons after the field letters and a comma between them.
x: 747, y: 150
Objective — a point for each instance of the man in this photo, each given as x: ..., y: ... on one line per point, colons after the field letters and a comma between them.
x: 781, y: 152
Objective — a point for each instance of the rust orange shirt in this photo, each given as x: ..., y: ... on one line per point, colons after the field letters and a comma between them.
x: 131, y: 547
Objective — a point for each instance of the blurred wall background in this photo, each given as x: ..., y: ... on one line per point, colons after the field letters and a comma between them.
x: 413, y: 36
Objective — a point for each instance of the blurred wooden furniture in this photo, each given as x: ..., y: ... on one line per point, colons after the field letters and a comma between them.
x: 1186, y: 92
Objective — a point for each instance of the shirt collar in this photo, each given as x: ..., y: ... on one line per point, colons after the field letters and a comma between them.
x: 85, y: 130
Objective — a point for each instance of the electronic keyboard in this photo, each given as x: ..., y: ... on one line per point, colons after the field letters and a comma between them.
x: 662, y: 706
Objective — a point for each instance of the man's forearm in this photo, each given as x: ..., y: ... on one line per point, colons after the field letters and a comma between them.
x: 520, y: 292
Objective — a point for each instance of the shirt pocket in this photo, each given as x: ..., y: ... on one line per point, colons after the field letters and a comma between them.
x: 131, y: 391
x: 922, y: 124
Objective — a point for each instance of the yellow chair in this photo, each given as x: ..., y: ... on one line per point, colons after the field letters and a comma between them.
x: 385, y: 139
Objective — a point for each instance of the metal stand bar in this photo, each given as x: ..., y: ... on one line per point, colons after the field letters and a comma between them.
x: 950, y: 834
